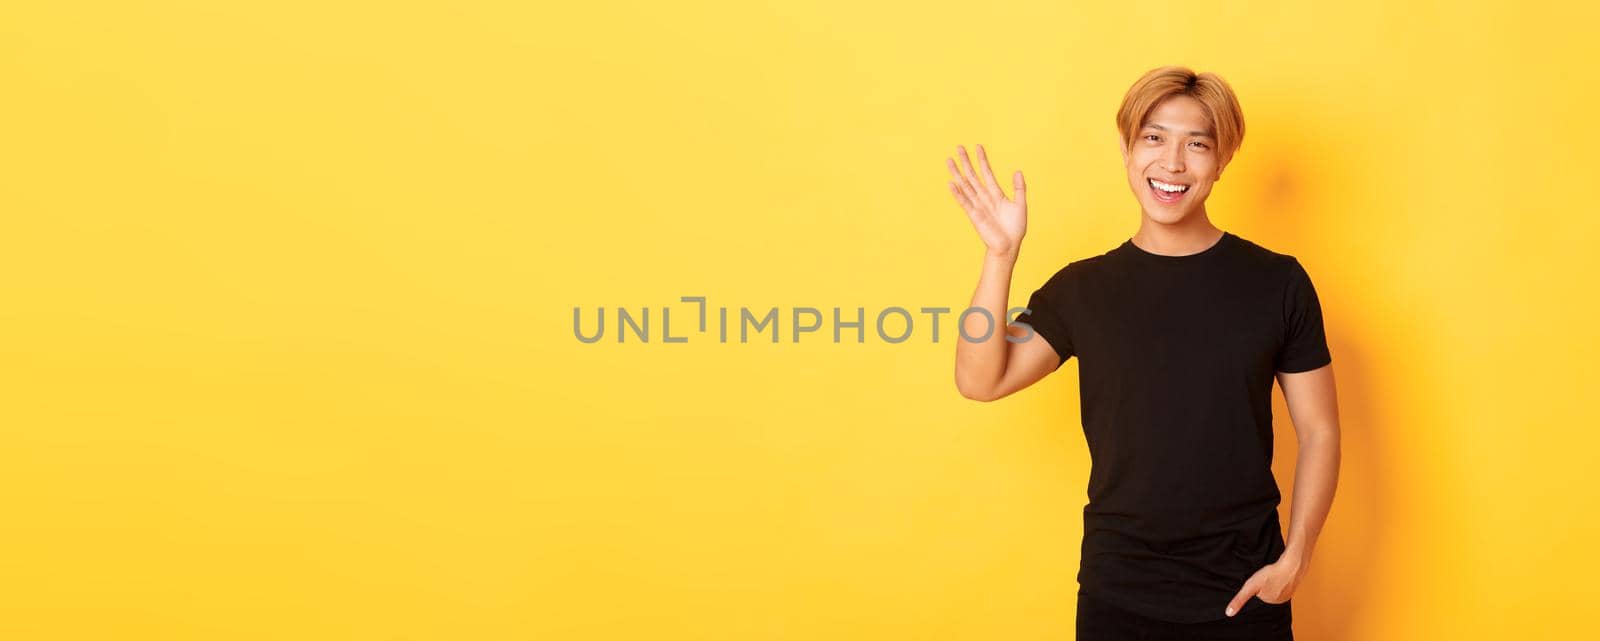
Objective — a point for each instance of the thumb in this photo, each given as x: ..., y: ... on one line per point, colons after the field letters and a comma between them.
x: 1250, y: 589
x: 1022, y: 189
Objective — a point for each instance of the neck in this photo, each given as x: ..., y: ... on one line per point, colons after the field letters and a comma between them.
x: 1191, y: 235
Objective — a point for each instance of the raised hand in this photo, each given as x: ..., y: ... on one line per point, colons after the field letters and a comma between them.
x: 1001, y: 222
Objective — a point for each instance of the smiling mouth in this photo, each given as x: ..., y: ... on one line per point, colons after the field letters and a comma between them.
x: 1167, y: 192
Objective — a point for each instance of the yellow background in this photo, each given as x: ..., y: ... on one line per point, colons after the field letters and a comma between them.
x: 287, y: 325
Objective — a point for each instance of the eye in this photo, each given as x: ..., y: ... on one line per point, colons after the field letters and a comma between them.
x: 1149, y: 136
x: 1201, y: 144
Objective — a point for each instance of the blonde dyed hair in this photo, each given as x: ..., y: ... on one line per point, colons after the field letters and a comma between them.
x: 1156, y: 85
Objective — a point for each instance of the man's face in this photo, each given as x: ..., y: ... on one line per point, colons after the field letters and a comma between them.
x: 1177, y: 147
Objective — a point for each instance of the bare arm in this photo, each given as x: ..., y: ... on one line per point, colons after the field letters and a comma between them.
x: 1314, y: 409
x: 1315, y: 412
x: 989, y: 367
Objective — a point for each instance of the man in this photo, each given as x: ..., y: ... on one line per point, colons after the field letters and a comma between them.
x: 1179, y: 332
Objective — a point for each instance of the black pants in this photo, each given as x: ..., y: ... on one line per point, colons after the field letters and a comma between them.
x: 1100, y: 621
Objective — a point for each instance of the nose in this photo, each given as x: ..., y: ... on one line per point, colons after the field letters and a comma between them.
x: 1173, y: 160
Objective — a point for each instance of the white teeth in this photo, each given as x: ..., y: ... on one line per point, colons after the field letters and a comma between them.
x: 1168, y: 187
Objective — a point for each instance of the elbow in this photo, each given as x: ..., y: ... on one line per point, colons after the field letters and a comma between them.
x: 974, y: 392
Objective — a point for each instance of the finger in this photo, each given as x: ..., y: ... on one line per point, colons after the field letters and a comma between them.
x: 1239, y: 599
x: 988, y: 174
x: 963, y: 183
x: 1020, y: 187
x: 979, y: 218
x: 979, y: 190
x: 955, y: 173
x: 966, y: 203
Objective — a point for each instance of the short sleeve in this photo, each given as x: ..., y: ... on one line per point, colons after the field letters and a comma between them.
x: 1048, y: 318
x: 1305, y: 345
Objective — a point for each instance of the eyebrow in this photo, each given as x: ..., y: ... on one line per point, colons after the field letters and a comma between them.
x: 1206, y: 134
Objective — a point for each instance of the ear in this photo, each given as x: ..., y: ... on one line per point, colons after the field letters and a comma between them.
x: 1123, y: 143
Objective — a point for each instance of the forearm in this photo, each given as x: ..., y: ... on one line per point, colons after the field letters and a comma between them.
x: 981, y: 361
x: 1315, y: 478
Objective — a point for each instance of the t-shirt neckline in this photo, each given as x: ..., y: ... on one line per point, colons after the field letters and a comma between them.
x: 1141, y: 254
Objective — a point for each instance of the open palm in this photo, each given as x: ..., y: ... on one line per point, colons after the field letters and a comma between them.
x: 1001, y: 222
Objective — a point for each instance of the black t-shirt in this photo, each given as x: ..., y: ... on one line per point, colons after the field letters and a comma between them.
x: 1176, y: 358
